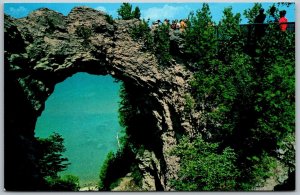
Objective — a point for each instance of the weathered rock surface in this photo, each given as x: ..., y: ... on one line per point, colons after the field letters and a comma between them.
x: 46, y: 47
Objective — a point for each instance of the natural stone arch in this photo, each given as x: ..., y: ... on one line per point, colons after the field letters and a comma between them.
x: 46, y: 47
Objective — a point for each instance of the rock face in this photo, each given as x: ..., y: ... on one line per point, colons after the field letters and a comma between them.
x: 46, y: 47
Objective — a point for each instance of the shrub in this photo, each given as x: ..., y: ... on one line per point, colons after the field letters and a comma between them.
x: 203, y: 167
x: 83, y: 32
x: 109, y: 19
x: 162, y: 44
x: 141, y: 32
x: 64, y: 183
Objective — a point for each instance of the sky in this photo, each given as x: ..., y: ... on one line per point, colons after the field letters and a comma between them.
x: 152, y: 10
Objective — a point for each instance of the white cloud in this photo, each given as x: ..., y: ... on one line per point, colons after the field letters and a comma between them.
x: 167, y: 11
x: 101, y: 8
x: 18, y: 12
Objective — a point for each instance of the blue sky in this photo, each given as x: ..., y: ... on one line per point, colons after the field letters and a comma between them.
x: 153, y: 11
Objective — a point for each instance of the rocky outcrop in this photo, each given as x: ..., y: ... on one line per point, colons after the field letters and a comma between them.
x: 46, y: 47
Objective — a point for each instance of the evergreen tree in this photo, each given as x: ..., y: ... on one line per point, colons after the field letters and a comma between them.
x: 51, y: 160
x: 162, y: 44
x: 200, y: 41
x: 137, y: 13
x: 229, y: 35
x: 125, y: 11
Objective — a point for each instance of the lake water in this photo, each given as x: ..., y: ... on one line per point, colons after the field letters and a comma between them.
x: 84, y: 110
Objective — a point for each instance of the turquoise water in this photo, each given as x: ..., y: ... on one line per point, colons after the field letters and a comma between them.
x: 84, y: 110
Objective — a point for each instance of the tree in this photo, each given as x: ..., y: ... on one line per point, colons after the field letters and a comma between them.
x: 125, y: 11
x: 229, y: 35
x: 51, y: 160
x: 162, y: 44
x: 203, y: 167
x: 137, y: 13
x: 64, y: 183
x: 200, y: 41
x: 103, y: 176
x: 251, y: 13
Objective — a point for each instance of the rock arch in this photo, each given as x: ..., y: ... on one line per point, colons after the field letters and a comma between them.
x: 46, y: 47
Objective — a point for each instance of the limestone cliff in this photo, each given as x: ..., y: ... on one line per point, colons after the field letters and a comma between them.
x: 46, y: 47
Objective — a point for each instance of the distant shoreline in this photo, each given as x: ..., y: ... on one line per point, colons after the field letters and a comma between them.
x: 89, y: 188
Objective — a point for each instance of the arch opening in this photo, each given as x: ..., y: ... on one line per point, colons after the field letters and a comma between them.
x: 84, y: 110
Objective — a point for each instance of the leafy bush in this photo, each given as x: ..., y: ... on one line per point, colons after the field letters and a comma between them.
x: 189, y: 103
x: 200, y: 43
x: 104, y: 171
x: 203, y: 168
x: 157, y: 41
x: 65, y: 183
x: 251, y: 13
x: 35, y: 50
x: 115, y: 167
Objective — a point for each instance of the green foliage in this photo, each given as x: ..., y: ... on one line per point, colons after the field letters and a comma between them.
x: 35, y: 50
x: 229, y: 35
x: 65, y: 183
x: 225, y: 91
x: 200, y: 42
x: 136, y: 174
x: 126, y: 109
x: 189, y: 103
x: 134, y: 142
x: 136, y: 13
x: 83, y: 32
x: 103, y: 172
x: 203, y: 168
x: 51, y: 160
x: 109, y: 19
x: 157, y: 41
x: 162, y: 44
x: 115, y: 167
x: 126, y: 13
x: 262, y: 168
x: 133, y: 118
x: 141, y: 32
x: 246, y: 100
x: 251, y: 13
x: 287, y: 146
